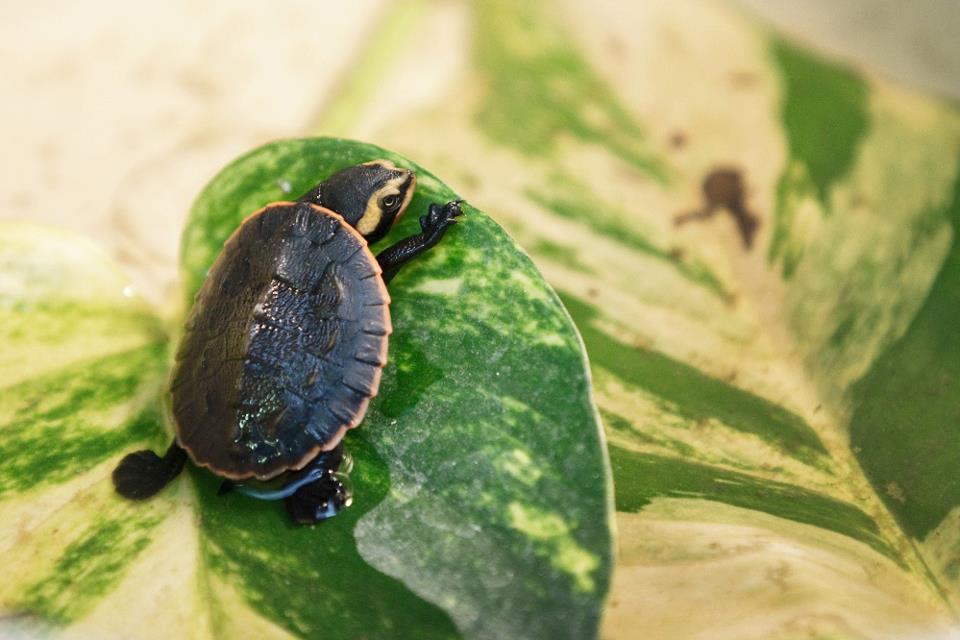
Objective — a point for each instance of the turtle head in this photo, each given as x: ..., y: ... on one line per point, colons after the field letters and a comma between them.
x: 370, y: 196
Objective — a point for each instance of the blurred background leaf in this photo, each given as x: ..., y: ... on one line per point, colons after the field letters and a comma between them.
x: 725, y: 227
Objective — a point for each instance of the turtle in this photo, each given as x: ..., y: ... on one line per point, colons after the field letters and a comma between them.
x: 286, y: 341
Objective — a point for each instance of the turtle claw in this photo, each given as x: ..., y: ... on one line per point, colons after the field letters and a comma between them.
x: 439, y: 219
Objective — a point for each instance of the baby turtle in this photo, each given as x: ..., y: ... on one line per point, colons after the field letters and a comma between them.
x: 286, y: 341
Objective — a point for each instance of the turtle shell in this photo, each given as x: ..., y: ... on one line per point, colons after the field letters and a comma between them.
x: 284, y: 346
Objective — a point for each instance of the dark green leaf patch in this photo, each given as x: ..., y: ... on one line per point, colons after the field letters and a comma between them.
x: 642, y: 477
x: 311, y: 580
x: 906, y: 423
x: 825, y: 115
x: 539, y: 89
x: 90, y: 566
x: 695, y: 395
x: 59, y: 425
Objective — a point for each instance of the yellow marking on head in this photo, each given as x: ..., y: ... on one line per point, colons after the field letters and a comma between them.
x: 373, y: 213
x: 407, y: 197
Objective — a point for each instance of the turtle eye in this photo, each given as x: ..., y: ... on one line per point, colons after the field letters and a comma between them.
x: 390, y: 202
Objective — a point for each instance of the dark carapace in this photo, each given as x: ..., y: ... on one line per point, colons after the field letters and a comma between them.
x: 286, y: 341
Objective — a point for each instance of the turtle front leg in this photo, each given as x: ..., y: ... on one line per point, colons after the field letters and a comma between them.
x: 143, y: 474
x: 433, y: 226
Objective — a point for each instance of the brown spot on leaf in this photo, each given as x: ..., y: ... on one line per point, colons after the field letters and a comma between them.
x: 939, y: 387
x: 743, y: 79
x: 21, y: 199
x: 678, y: 140
x: 896, y: 492
x: 616, y: 46
x: 859, y: 200
x: 723, y: 189
x: 778, y: 575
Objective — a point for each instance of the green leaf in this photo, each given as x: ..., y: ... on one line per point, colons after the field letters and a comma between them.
x: 825, y: 117
x: 783, y: 432
x: 482, y: 504
x: 83, y: 365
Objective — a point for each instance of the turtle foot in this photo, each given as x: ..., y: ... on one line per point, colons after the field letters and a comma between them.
x: 320, y: 500
x: 439, y: 219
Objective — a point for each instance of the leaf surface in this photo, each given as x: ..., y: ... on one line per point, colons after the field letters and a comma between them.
x: 482, y: 505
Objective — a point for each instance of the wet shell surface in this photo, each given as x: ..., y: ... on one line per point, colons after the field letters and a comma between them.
x: 284, y: 346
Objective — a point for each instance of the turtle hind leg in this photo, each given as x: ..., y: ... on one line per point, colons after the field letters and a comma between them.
x: 324, y: 497
x: 143, y: 474
x: 319, y: 500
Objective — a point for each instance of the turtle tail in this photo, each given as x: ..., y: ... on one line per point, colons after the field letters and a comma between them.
x: 143, y: 474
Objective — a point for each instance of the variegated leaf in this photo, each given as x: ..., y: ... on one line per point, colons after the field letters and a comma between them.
x: 758, y: 247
